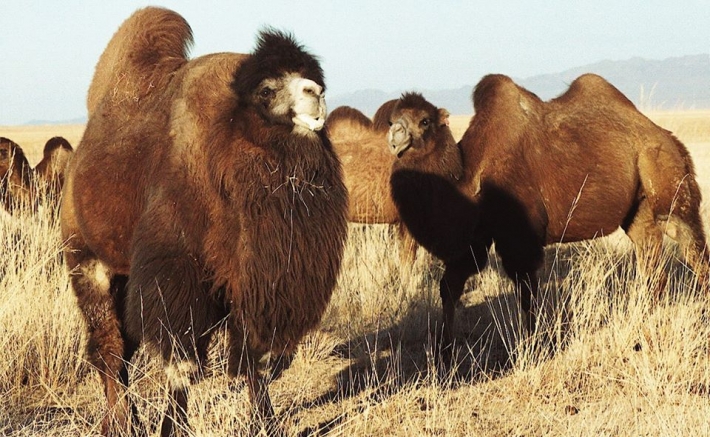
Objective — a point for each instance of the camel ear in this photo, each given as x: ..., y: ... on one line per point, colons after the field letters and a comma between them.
x: 443, y: 117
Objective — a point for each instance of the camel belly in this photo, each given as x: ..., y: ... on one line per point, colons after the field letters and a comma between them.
x: 586, y: 217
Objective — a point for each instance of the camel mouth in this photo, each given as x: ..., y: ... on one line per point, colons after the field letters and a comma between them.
x: 399, y: 149
x: 309, y: 122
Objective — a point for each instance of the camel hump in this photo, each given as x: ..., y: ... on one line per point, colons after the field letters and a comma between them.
x: 57, y: 152
x: 57, y: 145
x: 349, y: 114
x: 501, y: 92
x: 590, y: 87
x: 347, y: 123
x: 150, y: 44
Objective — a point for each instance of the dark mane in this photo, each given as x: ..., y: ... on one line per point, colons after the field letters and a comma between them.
x: 414, y: 100
x: 276, y: 53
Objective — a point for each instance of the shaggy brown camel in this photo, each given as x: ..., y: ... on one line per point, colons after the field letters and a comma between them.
x: 204, y: 193
x: 531, y: 173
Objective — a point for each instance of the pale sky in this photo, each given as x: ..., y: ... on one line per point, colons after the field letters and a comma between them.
x: 48, y: 49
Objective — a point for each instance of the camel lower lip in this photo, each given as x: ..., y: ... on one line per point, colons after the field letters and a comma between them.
x: 311, y: 123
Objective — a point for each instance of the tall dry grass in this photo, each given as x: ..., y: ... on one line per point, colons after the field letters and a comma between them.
x: 605, y: 360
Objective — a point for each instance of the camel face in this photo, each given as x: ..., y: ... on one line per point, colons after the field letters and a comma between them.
x: 308, y: 104
x: 414, y: 123
x: 399, y: 138
x: 292, y: 100
x: 408, y: 129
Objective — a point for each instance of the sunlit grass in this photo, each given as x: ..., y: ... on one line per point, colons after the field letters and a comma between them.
x: 605, y: 360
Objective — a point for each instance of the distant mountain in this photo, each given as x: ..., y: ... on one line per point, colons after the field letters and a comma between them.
x: 682, y: 82
x: 673, y: 83
x: 78, y: 120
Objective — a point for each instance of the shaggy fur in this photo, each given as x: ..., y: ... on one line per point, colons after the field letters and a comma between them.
x: 366, y: 167
x: 193, y: 200
x: 536, y: 173
x: 15, y: 176
x: 50, y: 170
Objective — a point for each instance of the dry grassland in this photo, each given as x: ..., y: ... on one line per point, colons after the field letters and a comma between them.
x: 606, y: 361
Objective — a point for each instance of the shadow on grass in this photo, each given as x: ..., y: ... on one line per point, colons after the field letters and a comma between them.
x: 383, y: 362
x: 488, y: 333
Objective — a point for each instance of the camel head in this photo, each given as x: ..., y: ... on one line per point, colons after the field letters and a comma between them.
x: 283, y: 83
x: 417, y: 124
x: 420, y: 137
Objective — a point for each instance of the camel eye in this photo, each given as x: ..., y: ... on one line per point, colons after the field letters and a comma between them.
x: 425, y: 122
x: 266, y: 92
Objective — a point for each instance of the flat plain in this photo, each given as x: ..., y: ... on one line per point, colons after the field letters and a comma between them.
x: 605, y: 361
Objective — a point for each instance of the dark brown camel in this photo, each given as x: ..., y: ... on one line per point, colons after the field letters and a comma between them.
x: 531, y: 173
x: 366, y: 169
x: 16, y: 188
x: 203, y: 193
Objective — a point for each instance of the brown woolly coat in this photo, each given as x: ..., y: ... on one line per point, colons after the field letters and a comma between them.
x: 580, y: 164
x: 208, y: 210
x: 366, y: 166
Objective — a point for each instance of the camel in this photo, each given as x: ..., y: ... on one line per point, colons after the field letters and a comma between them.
x: 50, y: 170
x: 529, y: 173
x: 204, y: 193
x: 15, y: 176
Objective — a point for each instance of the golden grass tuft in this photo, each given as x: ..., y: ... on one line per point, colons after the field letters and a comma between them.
x: 606, y: 360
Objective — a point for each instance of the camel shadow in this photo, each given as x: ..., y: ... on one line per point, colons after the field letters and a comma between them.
x: 386, y: 361
x: 489, y: 332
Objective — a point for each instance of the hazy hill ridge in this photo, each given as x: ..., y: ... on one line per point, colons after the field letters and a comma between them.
x: 674, y: 83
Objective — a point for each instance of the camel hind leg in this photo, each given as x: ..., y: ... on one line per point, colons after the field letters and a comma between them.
x: 100, y: 297
x: 672, y: 203
x: 647, y: 236
x: 689, y: 234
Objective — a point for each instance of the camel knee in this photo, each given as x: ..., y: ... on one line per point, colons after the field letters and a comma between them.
x: 691, y: 239
x: 91, y: 281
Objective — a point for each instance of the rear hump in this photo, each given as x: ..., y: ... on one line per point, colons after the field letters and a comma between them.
x: 149, y: 45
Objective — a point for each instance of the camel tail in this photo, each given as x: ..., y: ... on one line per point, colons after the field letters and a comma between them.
x: 149, y: 45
